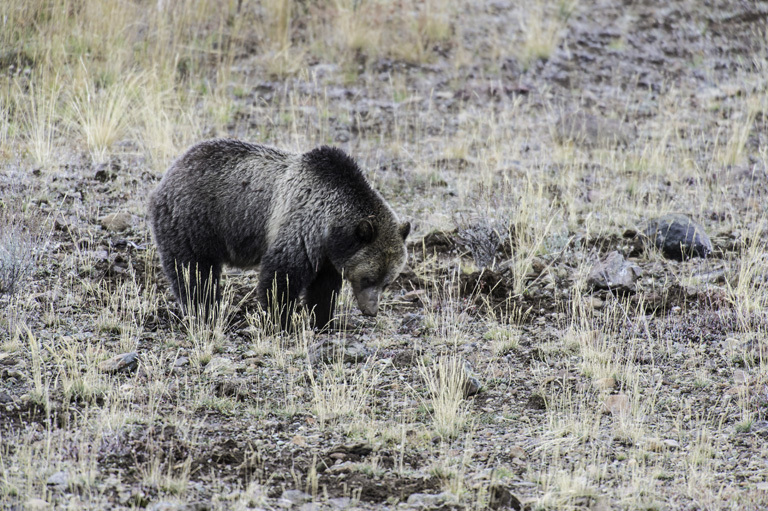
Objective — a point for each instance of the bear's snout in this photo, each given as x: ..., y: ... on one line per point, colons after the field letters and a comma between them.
x: 368, y: 301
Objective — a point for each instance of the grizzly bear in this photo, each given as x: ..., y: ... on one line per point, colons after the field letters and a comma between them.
x: 305, y: 220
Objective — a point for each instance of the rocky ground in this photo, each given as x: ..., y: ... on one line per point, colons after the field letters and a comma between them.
x: 544, y: 349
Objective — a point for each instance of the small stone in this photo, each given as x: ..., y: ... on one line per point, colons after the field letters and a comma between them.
x: 678, y: 237
x: 740, y: 377
x: 98, y: 255
x: 181, y: 361
x: 588, y: 130
x: 517, y: 452
x: 604, y: 383
x: 116, y: 222
x: 165, y: 505
x: 357, y: 450
x: 427, y: 501
x: 341, y: 502
x: 412, y: 323
x: 737, y: 390
x: 405, y: 358
x: 658, y: 445
x: 35, y: 504
x: 617, y: 404
x: 219, y: 365
x: 123, y: 363
x: 295, y: 497
x: 597, y: 303
x: 654, y: 445
x: 331, y: 349
x: 501, y: 498
x: 417, y: 295
x: 614, y: 273
x: 537, y: 402
x: 60, y: 478
x: 472, y: 384
x: 5, y: 398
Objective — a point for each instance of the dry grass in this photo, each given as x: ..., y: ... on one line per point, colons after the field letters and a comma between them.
x: 589, y: 400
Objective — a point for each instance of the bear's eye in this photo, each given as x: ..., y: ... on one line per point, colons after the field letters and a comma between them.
x: 367, y: 282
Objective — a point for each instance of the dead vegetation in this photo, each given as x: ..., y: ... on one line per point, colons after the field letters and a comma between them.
x: 581, y: 397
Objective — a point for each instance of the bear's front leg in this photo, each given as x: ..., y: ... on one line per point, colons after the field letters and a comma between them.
x: 281, y: 281
x: 322, y: 295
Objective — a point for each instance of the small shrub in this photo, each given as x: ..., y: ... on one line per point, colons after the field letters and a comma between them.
x: 485, y: 239
x: 19, y: 246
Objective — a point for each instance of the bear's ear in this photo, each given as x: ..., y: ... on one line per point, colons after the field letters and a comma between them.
x: 405, y: 229
x: 365, y: 231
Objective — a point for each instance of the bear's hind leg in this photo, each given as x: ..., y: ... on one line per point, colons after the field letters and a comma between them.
x: 322, y: 295
x: 196, y: 286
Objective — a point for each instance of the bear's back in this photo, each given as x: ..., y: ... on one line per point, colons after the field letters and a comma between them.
x: 223, y: 156
x: 332, y: 169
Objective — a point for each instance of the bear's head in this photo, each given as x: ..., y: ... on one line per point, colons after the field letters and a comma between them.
x: 378, y: 262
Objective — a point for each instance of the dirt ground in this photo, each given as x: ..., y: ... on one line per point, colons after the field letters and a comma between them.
x: 655, y: 397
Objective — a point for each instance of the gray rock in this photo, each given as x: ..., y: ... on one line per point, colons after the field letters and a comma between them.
x: 123, y: 363
x: 329, y: 350
x: 678, y: 237
x: 291, y: 498
x: 443, y: 500
x: 501, y: 498
x: 589, y: 130
x: 341, y: 503
x: 220, y: 365
x: 614, y: 273
x: 34, y: 504
x: 60, y: 479
x: 472, y: 384
x: 412, y: 323
x: 116, y: 222
x: 165, y: 505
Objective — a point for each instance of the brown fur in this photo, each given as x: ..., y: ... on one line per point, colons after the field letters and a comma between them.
x: 304, y: 219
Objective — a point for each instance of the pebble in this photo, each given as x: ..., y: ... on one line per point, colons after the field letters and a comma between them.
x: 60, y: 479
x: 472, y: 384
x: 740, y: 377
x: 165, y: 505
x: 501, y: 498
x: 413, y: 323
x: 219, y: 365
x: 291, y: 498
x: 605, y: 383
x: 35, y: 504
x: 589, y: 130
x: 329, y: 350
x: 517, y: 452
x: 341, y: 502
x: 116, y: 222
x: 123, y: 363
x: 425, y: 501
x: 617, y: 404
x: 614, y: 273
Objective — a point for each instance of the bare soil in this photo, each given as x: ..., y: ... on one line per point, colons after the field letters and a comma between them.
x: 692, y: 365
